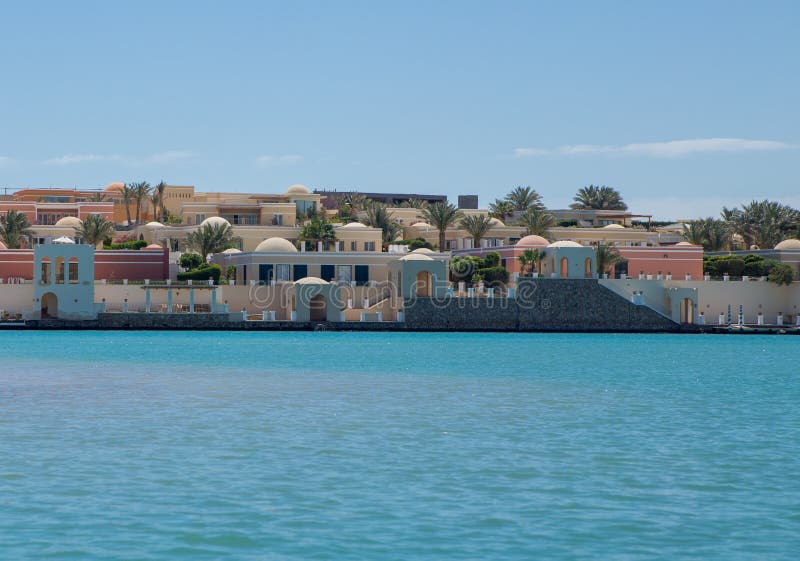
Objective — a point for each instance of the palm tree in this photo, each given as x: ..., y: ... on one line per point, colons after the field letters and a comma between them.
x: 695, y: 232
x: 501, y: 209
x: 523, y: 198
x: 712, y: 234
x: 441, y: 215
x: 606, y: 257
x: 537, y: 222
x: 158, y: 191
x: 317, y: 230
x: 377, y: 216
x: 141, y: 191
x: 598, y: 198
x: 476, y: 225
x: 97, y: 197
x: 128, y: 193
x: 763, y: 223
x: 95, y: 229
x: 414, y: 202
x: 14, y: 228
x: 211, y: 238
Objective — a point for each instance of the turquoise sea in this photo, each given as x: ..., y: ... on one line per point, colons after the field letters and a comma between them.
x: 346, y: 446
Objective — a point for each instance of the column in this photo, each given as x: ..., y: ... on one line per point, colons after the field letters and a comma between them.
x: 147, y: 300
x: 213, y: 300
x: 169, y: 300
x: 191, y: 300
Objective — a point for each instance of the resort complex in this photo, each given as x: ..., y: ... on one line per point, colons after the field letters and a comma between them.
x: 135, y: 255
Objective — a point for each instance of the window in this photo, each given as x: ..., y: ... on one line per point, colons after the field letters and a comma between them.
x: 300, y: 272
x: 277, y: 220
x: 266, y: 272
x: 353, y: 246
x: 344, y: 273
x: 283, y: 272
x: 369, y: 246
x: 327, y: 272
x: 362, y: 275
x: 198, y: 218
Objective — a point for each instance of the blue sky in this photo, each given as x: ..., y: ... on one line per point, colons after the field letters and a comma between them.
x: 683, y: 106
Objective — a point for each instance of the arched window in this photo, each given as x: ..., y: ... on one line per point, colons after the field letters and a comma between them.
x: 59, y: 270
x: 73, y: 270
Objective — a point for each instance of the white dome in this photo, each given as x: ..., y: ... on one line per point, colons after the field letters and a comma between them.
x: 423, y: 250
x: 232, y: 250
x: 215, y: 221
x: 416, y: 257
x: 69, y: 222
x: 496, y: 222
x: 613, y: 227
x: 276, y: 245
x: 421, y: 225
x: 532, y: 241
x: 311, y: 280
x: 353, y: 226
x: 153, y: 247
x: 153, y: 225
x: 565, y: 243
x: 297, y: 189
x: 788, y: 244
x: 684, y: 244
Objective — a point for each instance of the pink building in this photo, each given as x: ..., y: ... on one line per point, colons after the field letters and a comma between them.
x: 151, y: 263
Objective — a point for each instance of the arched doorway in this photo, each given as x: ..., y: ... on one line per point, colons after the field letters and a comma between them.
x: 587, y: 268
x: 687, y: 311
x: 49, y: 305
x: 423, y: 284
x: 318, y: 308
x: 564, y: 268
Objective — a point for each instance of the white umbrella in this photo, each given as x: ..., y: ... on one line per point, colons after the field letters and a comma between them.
x: 64, y: 239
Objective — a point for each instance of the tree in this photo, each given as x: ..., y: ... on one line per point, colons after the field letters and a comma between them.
x: 158, y: 194
x: 441, y: 215
x: 377, y: 216
x: 128, y: 193
x: 606, y: 257
x: 712, y: 234
x: 528, y: 258
x: 523, y: 198
x: 762, y: 223
x: 598, y: 198
x: 537, y: 222
x: 190, y: 261
x: 95, y: 229
x: 211, y: 238
x: 781, y: 273
x: 476, y: 225
x: 317, y: 230
x: 141, y: 191
x: 14, y: 228
x: 501, y: 209
x: 97, y: 197
x: 414, y: 202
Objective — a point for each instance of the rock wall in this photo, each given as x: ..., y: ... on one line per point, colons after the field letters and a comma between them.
x: 540, y: 305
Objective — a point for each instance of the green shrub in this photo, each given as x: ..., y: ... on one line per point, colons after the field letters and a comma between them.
x: 781, y: 273
x: 132, y: 245
x: 491, y: 260
x: 190, y: 261
x: 230, y: 272
x: 494, y: 275
x: 462, y: 268
x: 720, y: 265
x: 417, y: 243
x: 203, y: 272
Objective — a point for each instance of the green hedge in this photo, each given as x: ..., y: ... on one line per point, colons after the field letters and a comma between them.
x: 494, y: 275
x: 781, y: 273
x: 204, y: 272
x: 133, y: 244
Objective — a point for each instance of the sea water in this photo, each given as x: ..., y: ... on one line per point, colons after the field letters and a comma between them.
x: 384, y: 446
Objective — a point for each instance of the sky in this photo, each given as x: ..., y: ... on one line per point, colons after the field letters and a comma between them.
x: 682, y: 106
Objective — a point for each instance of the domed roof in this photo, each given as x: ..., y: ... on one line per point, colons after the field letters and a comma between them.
x: 69, y: 222
x: 532, y: 241
x: 153, y: 247
x: 683, y: 244
x: 353, y: 225
x: 788, y: 244
x: 416, y: 257
x: 421, y: 225
x: 215, y: 221
x: 3, y: 246
x: 565, y: 243
x: 64, y: 240
x: 613, y: 227
x: 276, y: 245
x: 311, y: 280
x: 114, y: 187
x: 496, y: 222
x: 297, y: 189
x: 153, y: 225
x: 423, y: 250
x: 232, y: 250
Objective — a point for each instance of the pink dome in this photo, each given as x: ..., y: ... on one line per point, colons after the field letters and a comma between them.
x: 532, y: 241
x: 114, y: 187
x: 154, y: 247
